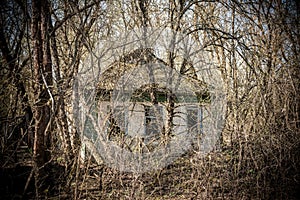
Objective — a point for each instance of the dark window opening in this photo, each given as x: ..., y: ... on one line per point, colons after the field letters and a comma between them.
x: 153, y: 118
x: 194, y: 120
x: 117, y: 123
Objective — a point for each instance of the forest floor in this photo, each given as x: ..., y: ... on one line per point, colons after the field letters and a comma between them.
x: 189, y: 177
x: 176, y: 181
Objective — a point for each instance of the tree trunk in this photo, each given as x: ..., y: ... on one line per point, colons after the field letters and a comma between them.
x: 42, y: 85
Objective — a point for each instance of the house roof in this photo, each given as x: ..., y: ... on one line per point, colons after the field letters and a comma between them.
x: 110, y: 77
x: 129, y: 61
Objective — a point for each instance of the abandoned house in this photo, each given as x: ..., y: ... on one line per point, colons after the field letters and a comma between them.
x: 154, y: 108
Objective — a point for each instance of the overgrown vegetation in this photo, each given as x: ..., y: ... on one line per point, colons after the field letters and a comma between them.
x: 256, y: 47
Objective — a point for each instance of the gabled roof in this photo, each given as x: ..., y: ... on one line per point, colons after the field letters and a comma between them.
x: 130, y: 61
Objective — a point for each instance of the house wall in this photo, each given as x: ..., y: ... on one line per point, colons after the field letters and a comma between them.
x: 180, y: 123
x: 136, y: 120
x: 103, y: 116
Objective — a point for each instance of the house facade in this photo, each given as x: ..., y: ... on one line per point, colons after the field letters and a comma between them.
x: 153, y: 109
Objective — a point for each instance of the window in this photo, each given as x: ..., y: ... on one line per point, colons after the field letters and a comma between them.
x: 153, y: 120
x: 194, y: 119
x: 120, y: 116
x: 117, y: 122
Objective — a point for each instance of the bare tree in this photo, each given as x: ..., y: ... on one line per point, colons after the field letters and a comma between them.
x: 253, y: 44
x: 42, y: 65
